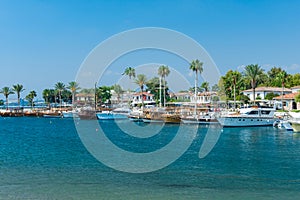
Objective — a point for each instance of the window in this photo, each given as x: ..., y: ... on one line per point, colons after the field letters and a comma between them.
x: 265, y: 112
x: 253, y: 112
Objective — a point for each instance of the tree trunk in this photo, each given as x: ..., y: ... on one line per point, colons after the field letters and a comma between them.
x: 196, y: 85
x: 164, y: 92
x: 234, y: 96
x: 19, y: 100
x: 160, y: 92
x: 253, y: 91
x: 282, y: 96
x: 73, y: 99
x: 142, y: 99
x: 6, y: 102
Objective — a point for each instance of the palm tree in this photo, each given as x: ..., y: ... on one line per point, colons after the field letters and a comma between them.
x: 130, y: 72
x: 205, y: 86
x: 60, y: 87
x: 282, y: 77
x: 118, y: 90
x: 141, y: 80
x: 46, y: 96
x: 18, y: 89
x: 196, y: 66
x: 30, y: 97
x: 253, y: 72
x: 6, y: 91
x: 73, y: 87
x: 163, y: 71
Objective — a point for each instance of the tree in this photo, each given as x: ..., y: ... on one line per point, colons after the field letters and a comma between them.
x: 60, y: 87
x: 252, y: 72
x: 18, y: 89
x: 205, y: 86
x: 163, y: 72
x: 103, y: 94
x: 297, y: 98
x: 282, y: 77
x: 130, y: 72
x: 46, y: 95
x: 30, y: 97
x: 141, y: 81
x: 6, y: 91
x: 196, y: 66
x: 270, y: 96
x: 73, y: 87
x: 118, y: 90
x: 215, y: 88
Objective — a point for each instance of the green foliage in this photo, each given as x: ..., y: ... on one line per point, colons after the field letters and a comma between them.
x: 118, y: 90
x: 229, y: 81
x: 205, y: 86
x: 153, y: 87
x: 297, y: 98
x: 243, y: 98
x: 215, y: 88
x: 6, y: 91
x: 30, y: 97
x: 1, y: 102
x: 103, y: 94
x: 130, y: 72
x: 271, y: 95
x: 215, y: 98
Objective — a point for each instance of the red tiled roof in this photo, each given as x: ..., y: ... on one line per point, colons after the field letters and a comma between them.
x: 295, y: 87
x: 287, y: 96
x: 269, y: 89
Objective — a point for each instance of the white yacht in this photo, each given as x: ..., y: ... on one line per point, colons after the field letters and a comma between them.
x: 253, y: 116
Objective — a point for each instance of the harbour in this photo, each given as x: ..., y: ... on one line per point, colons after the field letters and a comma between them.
x: 43, y: 158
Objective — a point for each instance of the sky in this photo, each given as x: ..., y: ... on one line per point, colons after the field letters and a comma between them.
x: 44, y: 42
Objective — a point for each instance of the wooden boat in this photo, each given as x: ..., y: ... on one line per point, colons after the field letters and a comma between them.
x: 87, y: 114
x: 171, y: 118
x: 153, y: 117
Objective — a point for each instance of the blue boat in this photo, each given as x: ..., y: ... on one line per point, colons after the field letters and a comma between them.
x: 110, y: 116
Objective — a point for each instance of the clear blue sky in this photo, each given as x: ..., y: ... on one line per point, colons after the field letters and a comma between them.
x: 43, y: 42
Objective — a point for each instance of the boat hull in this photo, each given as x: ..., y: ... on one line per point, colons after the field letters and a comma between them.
x: 295, y: 126
x: 110, y: 116
x: 199, y: 121
x: 245, y: 121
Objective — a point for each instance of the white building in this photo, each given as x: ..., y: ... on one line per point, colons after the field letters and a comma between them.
x: 203, y: 98
x: 261, y: 92
x: 295, y: 89
x: 146, y: 96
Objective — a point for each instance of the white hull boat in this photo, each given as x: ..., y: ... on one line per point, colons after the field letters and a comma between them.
x: 253, y: 116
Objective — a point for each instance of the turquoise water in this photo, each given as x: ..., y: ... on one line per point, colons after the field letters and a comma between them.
x: 45, y: 159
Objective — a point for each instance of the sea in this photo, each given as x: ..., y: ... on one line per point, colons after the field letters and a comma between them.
x: 44, y: 158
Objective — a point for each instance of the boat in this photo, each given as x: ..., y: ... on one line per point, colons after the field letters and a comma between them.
x: 295, y: 123
x: 153, y: 116
x: 108, y: 115
x: 171, y: 118
x: 56, y: 115
x: 253, y: 116
x: 87, y: 114
x: 283, y: 124
x: 70, y: 114
x: 207, y: 118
